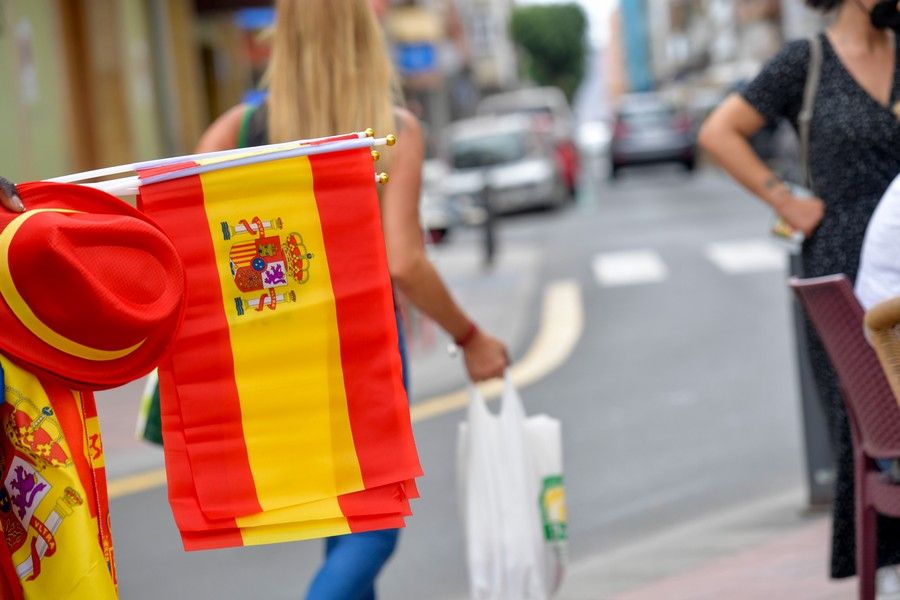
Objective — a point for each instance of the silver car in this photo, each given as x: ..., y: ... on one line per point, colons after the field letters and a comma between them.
x: 650, y: 130
x: 503, y: 161
x: 550, y: 110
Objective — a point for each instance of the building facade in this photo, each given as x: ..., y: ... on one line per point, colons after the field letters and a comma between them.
x: 492, y: 53
x: 97, y: 82
x: 663, y: 42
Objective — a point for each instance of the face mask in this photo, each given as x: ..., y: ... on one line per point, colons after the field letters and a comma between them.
x: 884, y: 15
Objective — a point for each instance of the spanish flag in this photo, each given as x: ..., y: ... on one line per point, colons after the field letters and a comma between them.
x: 54, y: 514
x: 283, y: 410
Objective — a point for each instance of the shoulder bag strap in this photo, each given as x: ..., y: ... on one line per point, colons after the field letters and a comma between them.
x: 804, y: 120
x: 244, y: 131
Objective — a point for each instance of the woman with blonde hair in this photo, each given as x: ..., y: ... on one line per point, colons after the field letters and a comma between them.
x: 330, y: 73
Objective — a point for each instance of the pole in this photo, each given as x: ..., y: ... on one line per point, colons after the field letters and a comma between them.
x: 489, y: 225
x: 820, y: 471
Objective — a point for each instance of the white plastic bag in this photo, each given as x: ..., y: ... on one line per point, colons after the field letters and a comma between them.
x: 512, y: 500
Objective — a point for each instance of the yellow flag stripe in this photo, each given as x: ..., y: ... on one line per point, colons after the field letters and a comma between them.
x: 289, y: 532
x: 291, y: 393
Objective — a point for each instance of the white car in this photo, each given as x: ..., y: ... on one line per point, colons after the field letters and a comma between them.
x: 437, y: 213
x: 505, y: 160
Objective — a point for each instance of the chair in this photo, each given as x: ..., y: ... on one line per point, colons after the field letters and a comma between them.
x: 883, y: 325
x: 872, y: 409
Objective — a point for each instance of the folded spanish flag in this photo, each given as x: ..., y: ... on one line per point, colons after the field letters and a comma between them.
x: 376, y: 508
x: 284, y: 416
x: 54, y: 515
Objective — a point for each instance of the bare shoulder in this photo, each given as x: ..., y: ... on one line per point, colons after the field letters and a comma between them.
x: 408, y: 125
x: 408, y: 154
x: 223, y: 133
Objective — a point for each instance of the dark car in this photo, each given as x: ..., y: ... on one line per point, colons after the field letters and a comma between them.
x: 650, y: 130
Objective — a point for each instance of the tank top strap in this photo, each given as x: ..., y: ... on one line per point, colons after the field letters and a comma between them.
x: 254, y: 129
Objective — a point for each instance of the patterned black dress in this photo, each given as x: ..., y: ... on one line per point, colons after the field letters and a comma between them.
x: 854, y: 155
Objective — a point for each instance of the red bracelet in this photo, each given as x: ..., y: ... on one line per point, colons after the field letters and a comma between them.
x: 467, y: 336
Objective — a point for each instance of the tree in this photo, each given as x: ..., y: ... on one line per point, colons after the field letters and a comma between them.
x: 552, y: 38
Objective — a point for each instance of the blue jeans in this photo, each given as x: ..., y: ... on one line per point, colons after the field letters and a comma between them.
x: 352, y: 562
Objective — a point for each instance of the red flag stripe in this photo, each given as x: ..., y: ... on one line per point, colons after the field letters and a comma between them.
x: 214, y: 373
x: 69, y: 419
x: 182, y: 495
x: 350, y: 216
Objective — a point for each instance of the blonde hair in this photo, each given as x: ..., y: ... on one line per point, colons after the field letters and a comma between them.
x: 329, y: 72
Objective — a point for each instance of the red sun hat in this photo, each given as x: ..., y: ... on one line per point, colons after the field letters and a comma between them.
x: 92, y: 290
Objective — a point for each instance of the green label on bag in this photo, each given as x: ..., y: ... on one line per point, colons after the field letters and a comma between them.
x: 553, y: 509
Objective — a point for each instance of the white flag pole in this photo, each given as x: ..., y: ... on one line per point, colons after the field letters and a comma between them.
x: 128, y: 186
x: 128, y: 168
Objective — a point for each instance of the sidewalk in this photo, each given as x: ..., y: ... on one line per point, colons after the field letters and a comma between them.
x: 769, y: 550
x: 789, y: 567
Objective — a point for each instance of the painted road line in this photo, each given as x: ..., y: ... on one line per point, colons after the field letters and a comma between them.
x: 630, y: 267
x: 747, y: 256
x: 132, y: 484
x: 562, y: 323
x: 561, y: 326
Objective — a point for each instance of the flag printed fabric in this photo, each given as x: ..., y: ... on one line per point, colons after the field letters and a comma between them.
x: 54, y: 513
x: 201, y: 533
x: 383, y: 500
x: 283, y: 411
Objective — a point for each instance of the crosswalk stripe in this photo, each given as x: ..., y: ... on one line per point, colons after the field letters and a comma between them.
x: 746, y: 256
x: 631, y: 267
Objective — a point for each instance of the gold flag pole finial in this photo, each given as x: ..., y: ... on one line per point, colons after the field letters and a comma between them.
x: 391, y: 139
x: 370, y: 132
x: 376, y: 155
x: 383, y: 178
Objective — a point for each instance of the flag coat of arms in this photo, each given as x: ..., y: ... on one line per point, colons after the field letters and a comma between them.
x: 283, y: 409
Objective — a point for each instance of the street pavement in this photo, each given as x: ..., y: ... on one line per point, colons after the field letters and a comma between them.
x: 679, y: 402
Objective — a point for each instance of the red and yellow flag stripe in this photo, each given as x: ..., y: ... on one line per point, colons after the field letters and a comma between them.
x: 387, y: 499
x: 360, y: 511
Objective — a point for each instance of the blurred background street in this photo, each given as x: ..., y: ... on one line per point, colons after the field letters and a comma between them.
x: 667, y: 417
x: 569, y: 210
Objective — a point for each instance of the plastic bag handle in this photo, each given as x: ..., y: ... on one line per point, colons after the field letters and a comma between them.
x: 511, y: 401
x: 477, y: 402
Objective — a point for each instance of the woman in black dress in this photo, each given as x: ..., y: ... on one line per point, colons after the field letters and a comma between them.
x: 854, y: 154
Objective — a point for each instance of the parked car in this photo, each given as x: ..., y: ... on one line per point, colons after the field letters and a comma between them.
x: 504, y: 159
x: 550, y: 110
x: 648, y: 130
x: 437, y: 212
